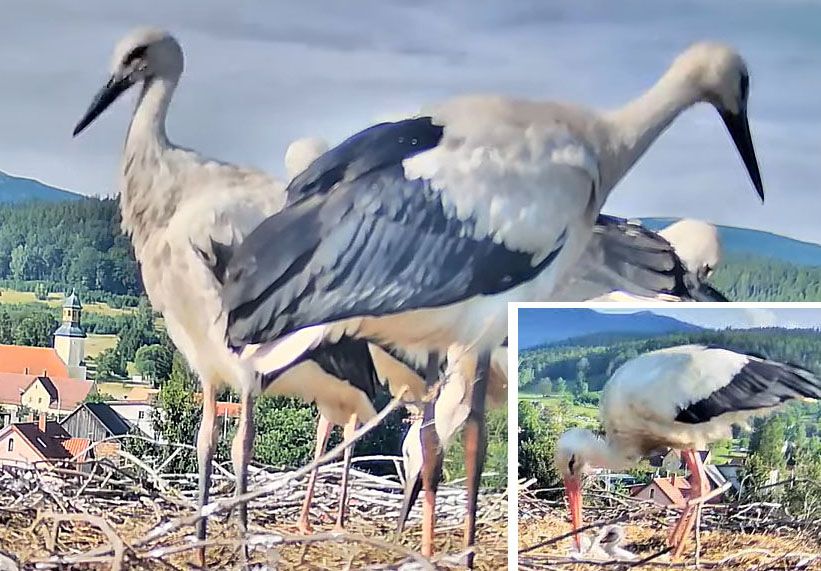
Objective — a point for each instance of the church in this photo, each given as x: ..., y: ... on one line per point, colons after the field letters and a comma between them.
x: 65, y: 359
x: 47, y: 379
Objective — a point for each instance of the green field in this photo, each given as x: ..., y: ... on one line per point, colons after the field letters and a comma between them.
x: 56, y: 300
x: 96, y: 344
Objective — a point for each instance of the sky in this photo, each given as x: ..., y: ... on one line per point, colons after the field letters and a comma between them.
x: 741, y: 318
x: 266, y: 72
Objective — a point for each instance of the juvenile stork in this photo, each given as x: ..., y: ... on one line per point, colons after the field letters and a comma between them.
x: 683, y: 398
x: 625, y: 261
x: 418, y: 233
x: 179, y: 208
x: 450, y: 411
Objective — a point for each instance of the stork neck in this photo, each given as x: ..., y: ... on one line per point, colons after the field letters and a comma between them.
x: 604, y: 454
x: 147, y: 201
x: 636, y: 125
x: 148, y: 122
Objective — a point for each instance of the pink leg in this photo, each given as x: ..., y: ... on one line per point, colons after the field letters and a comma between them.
x: 701, y: 488
x: 323, y: 431
x: 348, y: 432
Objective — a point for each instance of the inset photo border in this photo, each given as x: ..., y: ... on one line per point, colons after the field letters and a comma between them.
x: 664, y: 432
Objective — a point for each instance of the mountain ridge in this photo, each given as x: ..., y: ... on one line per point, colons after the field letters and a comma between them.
x: 18, y: 190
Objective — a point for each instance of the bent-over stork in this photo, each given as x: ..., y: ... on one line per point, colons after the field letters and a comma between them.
x: 683, y: 397
x: 418, y: 233
x: 625, y: 261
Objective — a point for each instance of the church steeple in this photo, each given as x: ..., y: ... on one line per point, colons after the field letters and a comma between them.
x: 69, y: 339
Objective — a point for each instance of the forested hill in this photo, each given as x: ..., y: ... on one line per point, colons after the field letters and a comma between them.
x: 68, y: 244
x: 15, y: 189
x: 78, y: 243
x: 599, y: 360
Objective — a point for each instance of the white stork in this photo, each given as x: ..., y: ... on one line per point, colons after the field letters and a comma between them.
x: 625, y: 261
x: 418, y: 233
x: 684, y: 398
x: 450, y: 411
x: 179, y: 208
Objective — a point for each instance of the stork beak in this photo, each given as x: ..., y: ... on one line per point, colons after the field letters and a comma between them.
x: 412, y: 488
x: 573, y: 490
x: 739, y: 128
x: 115, y: 87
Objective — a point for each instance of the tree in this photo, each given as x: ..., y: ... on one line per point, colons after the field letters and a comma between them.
x: 6, y: 328
x: 19, y: 261
x: 36, y: 330
x: 560, y: 386
x: 766, y: 455
x: 539, y: 429
x: 154, y: 362
x: 178, y: 416
x: 110, y: 364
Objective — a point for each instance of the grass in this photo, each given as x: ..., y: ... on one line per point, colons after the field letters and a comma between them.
x: 56, y: 300
x: 116, y: 389
x: 96, y: 344
x: 587, y: 412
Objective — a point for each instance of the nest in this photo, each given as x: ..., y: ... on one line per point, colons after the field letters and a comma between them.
x: 732, y: 537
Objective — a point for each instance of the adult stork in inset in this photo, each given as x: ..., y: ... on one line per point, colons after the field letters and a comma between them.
x: 418, y: 233
x: 179, y: 208
x: 684, y: 398
x: 624, y: 261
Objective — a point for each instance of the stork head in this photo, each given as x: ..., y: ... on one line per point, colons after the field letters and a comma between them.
x: 576, y: 452
x: 142, y: 56
x: 301, y: 153
x: 697, y: 245
x: 719, y: 76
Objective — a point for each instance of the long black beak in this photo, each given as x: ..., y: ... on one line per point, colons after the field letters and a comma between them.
x: 739, y: 128
x: 412, y: 489
x: 105, y: 97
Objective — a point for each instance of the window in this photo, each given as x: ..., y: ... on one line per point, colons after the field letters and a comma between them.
x: 141, y: 415
x: 11, y: 444
x: 652, y: 493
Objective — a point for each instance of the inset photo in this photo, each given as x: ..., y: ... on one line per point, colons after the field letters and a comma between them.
x: 678, y: 434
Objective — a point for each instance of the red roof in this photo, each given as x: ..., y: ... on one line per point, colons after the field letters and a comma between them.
x: 70, y: 392
x: 75, y: 446
x: 31, y: 361
x: 231, y: 409
x: 673, y: 489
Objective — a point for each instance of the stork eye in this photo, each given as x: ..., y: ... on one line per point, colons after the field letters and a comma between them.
x: 136, y: 53
x: 572, y: 463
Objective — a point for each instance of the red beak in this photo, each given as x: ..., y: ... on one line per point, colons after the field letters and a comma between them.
x: 573, y: 490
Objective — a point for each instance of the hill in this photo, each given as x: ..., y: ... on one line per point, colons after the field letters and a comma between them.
x: 540, y: 326
x: 748, y: 242
x: 14, y: 190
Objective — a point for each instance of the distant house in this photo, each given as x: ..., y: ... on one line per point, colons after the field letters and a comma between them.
x: 671, y: 461
x: 137, y: 413
x: 29, y: 443
x: 53, y: 395
x: 674, y: 490
x: 670, y: 491
x: 96, y: 422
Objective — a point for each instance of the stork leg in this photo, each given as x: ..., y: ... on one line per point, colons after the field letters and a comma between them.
x: 475, y: 439
x: 241, y: 450
x: 348, y: 432
x: 701, y: 487
x: 431, y: 458
x: 206, y: 443
x: 323, y: 431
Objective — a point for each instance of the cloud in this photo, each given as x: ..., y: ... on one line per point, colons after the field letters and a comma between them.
x: 264, y: 73
x: 759, y: 317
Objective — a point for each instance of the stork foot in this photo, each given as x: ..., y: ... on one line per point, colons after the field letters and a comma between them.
x: 305, y: 527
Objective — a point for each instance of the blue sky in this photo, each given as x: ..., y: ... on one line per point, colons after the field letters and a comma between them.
x: 263, y: 73
x: 738, y: 318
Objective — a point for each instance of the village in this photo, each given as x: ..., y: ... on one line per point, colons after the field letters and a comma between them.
x: 52, y: 412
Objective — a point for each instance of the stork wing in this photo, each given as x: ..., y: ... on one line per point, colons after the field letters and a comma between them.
x: 759, y: 384
x: 380, y: 243
x: 624, y: 256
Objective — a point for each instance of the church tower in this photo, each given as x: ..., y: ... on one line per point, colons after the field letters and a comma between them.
x: 70, y: 339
